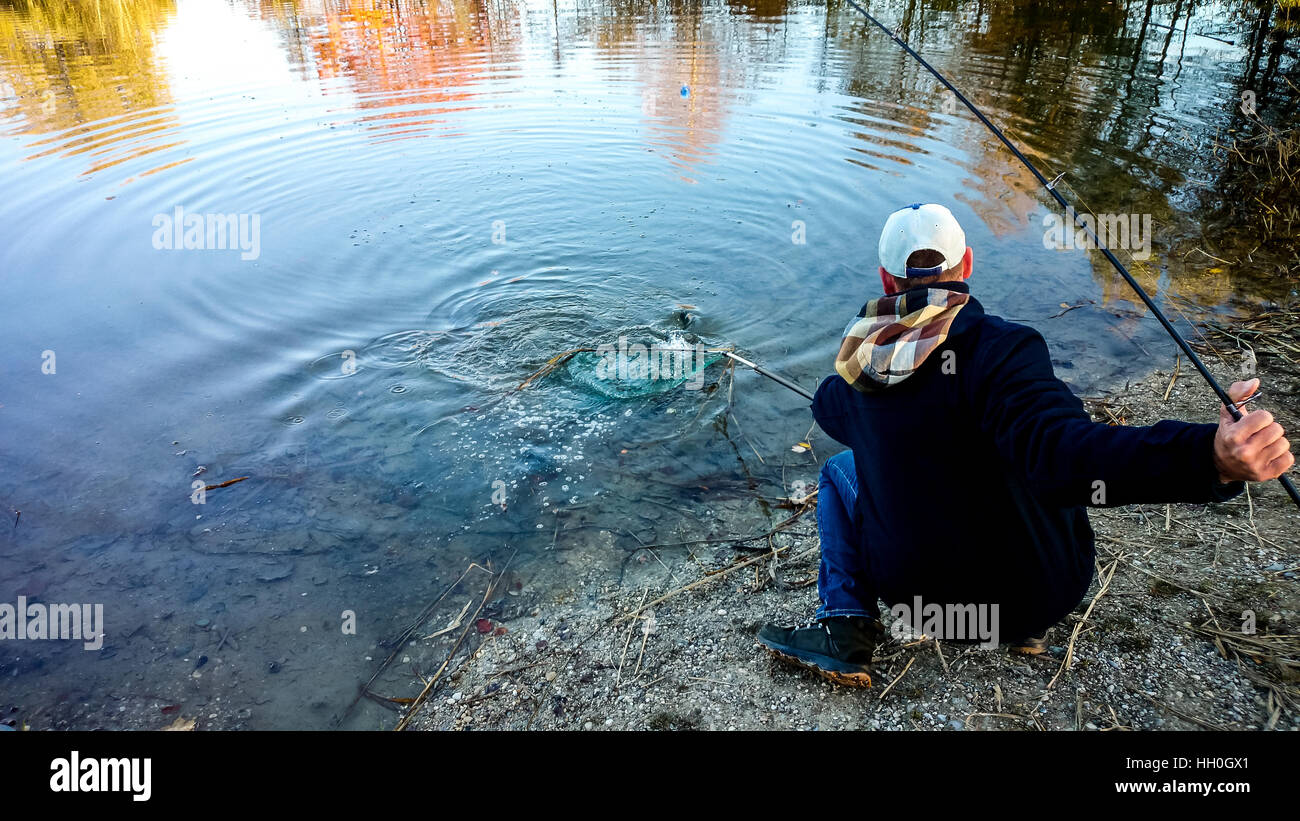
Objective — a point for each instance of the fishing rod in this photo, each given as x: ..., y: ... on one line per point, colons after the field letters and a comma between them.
x: 1101, y: 246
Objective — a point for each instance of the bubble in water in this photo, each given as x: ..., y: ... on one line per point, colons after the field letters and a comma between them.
x: 334, y: 365
x: 397, y: 389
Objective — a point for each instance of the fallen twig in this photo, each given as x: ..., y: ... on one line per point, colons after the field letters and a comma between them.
x: 419, y: 700
x: 227, y: 483
x: 906, y: 667
x: 1069, y: 650
x: 399, y: 643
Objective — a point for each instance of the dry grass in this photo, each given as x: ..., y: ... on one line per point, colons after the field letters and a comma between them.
x: 1271, y: 661
x: 1270, y: 333
x: 1260, y: 186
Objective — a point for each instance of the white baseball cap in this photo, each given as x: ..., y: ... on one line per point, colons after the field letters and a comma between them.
x: 918, y: 227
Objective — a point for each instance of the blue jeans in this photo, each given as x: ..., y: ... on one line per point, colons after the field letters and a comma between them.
x: 844, y: 580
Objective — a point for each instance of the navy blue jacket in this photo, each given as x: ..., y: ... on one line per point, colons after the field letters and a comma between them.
x: 973, y: 482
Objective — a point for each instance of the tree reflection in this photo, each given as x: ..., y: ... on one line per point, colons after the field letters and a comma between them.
x: 70, y: 63
x: 1128, y: 99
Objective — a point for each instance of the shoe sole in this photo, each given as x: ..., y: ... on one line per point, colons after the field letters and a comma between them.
x: 1029, y: 650
x: 853, y: 679
x: 1032, y: 647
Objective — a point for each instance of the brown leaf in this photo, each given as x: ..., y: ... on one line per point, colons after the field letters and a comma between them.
x: 181, y: 724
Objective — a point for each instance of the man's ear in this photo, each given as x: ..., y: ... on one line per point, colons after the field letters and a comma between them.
x: 967, y: 263
x: 888, y: 282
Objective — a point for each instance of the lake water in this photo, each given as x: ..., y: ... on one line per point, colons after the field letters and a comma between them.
x: 438, y: 197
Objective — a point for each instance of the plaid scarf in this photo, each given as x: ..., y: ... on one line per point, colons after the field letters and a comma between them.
x: 892, y: 336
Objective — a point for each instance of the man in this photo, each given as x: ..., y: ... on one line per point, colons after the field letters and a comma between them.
x: 970, y: 464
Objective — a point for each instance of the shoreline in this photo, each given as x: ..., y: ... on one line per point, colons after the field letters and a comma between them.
x: 671, y: 645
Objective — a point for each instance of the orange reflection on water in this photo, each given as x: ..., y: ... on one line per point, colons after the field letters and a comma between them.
x: 395, y: 55
x: 684, y: 128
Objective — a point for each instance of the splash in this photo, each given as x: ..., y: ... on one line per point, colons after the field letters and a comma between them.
x: 648, y: 367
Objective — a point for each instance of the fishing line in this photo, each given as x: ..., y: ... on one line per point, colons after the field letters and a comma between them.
x: 1050, y: 186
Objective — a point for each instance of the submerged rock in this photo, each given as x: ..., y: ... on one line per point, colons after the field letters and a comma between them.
x: 275, y: 572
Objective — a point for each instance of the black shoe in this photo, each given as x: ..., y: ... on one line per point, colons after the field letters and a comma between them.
x: 1030, y: 646
x: 838, y: 647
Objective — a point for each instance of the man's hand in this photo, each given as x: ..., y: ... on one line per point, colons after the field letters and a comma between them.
x: 1251, y: 449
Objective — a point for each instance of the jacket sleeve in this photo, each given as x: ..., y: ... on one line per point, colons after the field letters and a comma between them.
x: 1042, y: 431
x: 828, y: 409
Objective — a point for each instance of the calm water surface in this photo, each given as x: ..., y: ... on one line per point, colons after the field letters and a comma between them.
x: 447, y: 194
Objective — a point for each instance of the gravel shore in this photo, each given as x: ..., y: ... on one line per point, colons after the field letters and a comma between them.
x: 664, y: 638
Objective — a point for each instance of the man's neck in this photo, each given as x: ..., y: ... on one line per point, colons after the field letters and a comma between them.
x: 959, y: 285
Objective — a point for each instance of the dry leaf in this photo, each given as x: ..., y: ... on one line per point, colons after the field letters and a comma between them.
x: 181, y: 724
